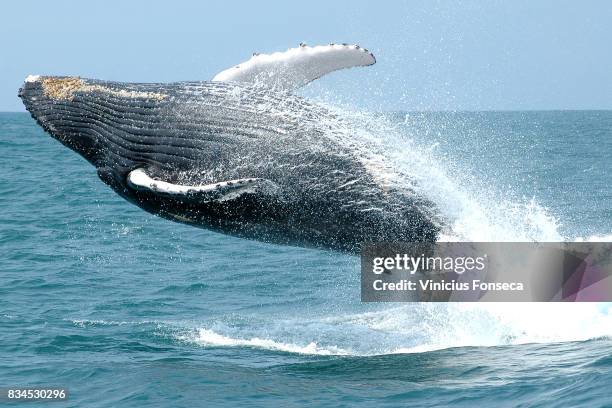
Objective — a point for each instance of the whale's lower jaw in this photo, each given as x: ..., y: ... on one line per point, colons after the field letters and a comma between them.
x: 310, y: 191
x: 347, y: 236
x: 262, y: 217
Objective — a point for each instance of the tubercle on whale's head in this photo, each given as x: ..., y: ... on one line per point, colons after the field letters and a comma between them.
x: 55, y: 88
x: 64, y: 88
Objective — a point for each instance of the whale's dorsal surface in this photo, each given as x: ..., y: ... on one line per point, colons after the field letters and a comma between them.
x: 296, y: 67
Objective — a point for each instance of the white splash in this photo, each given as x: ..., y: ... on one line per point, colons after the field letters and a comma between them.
x: 595, y: 238
x: 207, y: 337
x: 418, y: 328
x: 470, y: 211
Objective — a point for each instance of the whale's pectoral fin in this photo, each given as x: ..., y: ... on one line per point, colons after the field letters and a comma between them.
x: 225, y: 190
x: 297, y: 66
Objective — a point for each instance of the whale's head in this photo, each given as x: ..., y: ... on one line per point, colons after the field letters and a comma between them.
x: 114, y: 127
x: 50, y: 102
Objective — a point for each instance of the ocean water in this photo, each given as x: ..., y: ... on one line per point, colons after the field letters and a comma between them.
x: 126, y: 309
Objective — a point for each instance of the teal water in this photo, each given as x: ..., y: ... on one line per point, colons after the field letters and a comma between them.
x: 126, y: 309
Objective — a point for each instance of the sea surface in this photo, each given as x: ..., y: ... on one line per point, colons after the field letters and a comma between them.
x: 126, y: 309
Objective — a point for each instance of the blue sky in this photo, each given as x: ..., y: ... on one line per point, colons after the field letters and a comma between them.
x: 432, y: 55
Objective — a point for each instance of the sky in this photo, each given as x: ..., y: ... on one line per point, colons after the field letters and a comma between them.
x: 431, y: 55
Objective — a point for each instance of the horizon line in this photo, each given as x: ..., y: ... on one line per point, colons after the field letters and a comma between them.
x: 455, y: 110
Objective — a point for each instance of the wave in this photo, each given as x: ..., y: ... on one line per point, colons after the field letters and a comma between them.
x: 101, y: 322
x: 210, y: 338
x: 417, y: 328
x: 410, y: 328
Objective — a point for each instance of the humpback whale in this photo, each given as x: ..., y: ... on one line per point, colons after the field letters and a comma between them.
x: 240, y: 154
